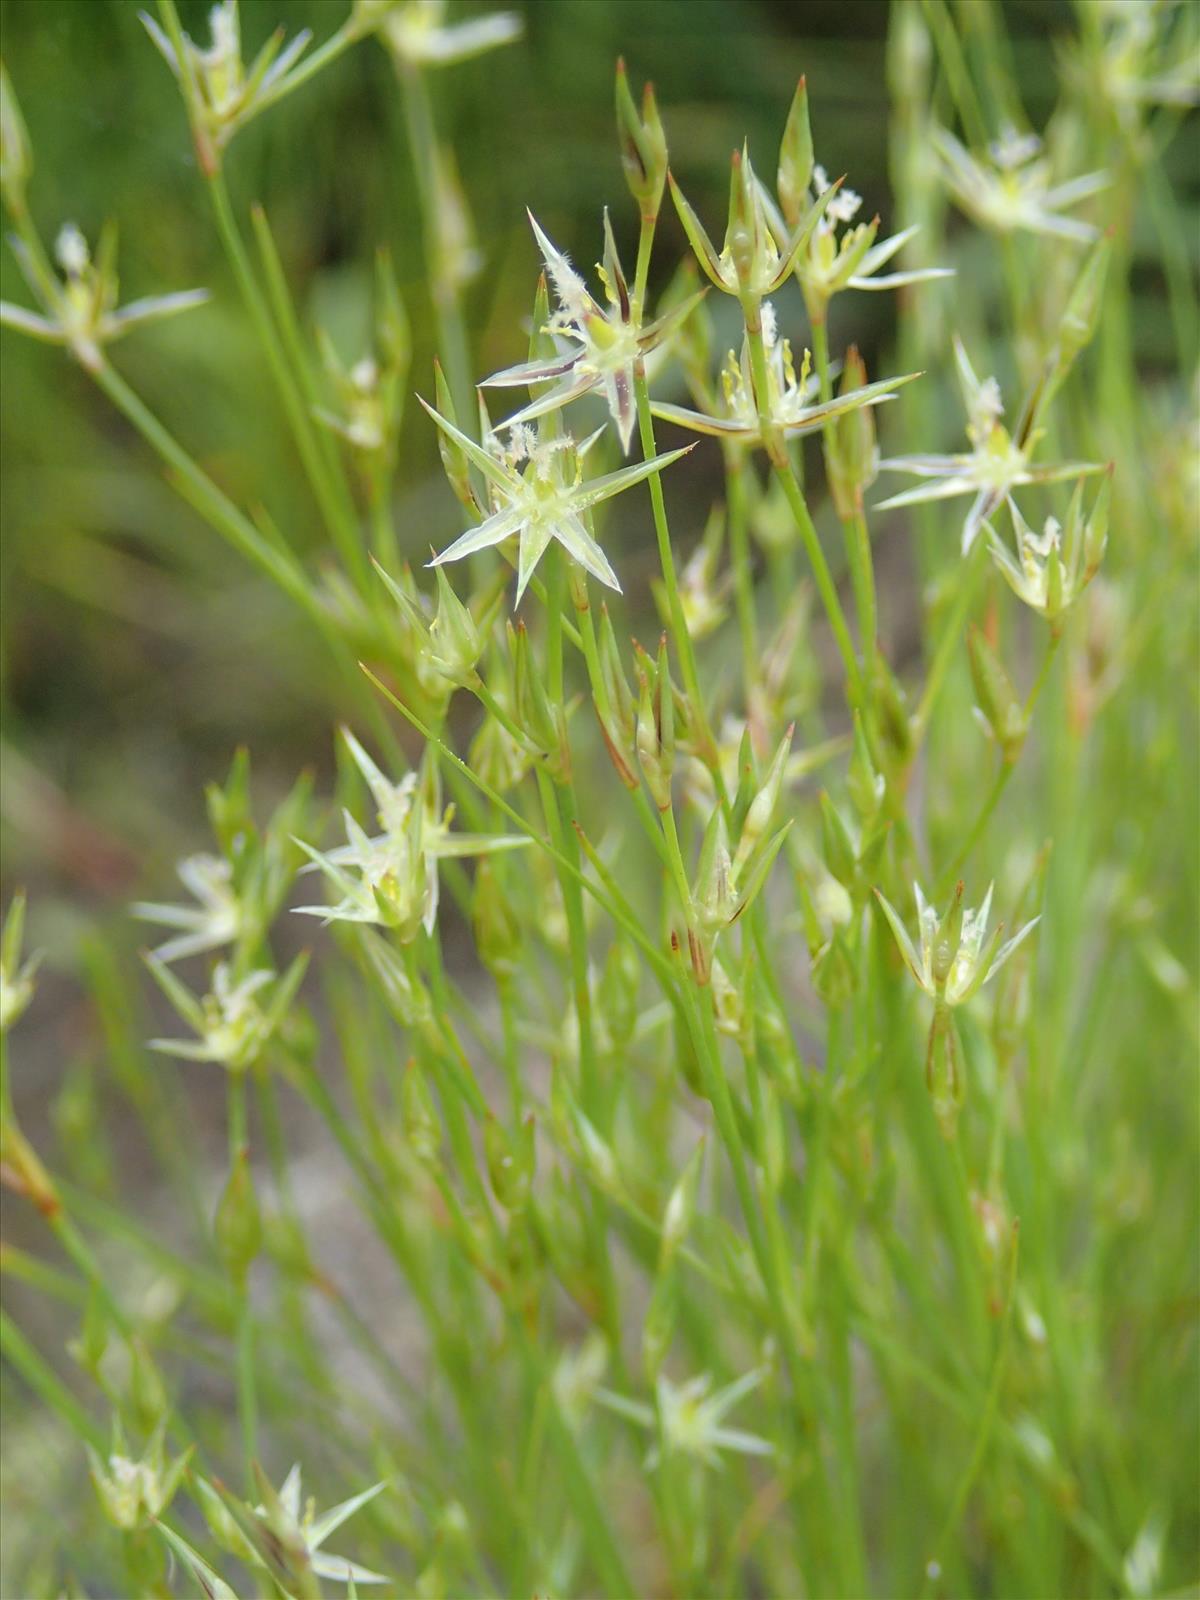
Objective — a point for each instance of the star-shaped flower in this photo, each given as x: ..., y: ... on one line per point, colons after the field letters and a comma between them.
x: 222, y: 95
x: 691, y: 1418
x: 232, y: 1025
x: 1053, y: 568
x: 830, y: 264
x: 215, y: 920
x: 603, y: 344
x: 284, y: 1534
x: 416, y: 31
x: 538, y: 493
x: 1012, y: 190
x: 396, y: 884
x: 81, y: 309
x: 952, y: 963
x: 789, y: 402
x: 997, y: 464
x: 288, y: 1516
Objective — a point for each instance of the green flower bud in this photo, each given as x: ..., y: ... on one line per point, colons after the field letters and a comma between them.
x: 834, y: 976
x: 455, y: 462
x: 620, y: 984
x: 658, y: 1329
x: 16, y: 157
x: 894, y: 727
x: 89, y: 1346
x: 998, y: 703
x: 762, y: 807
x: 681, y: 1207
x: 643, y: 145
x: 531, y: 708
x: 796, y: 158
x: 497, y: 932
x: 511, y: 1159
x: 851, y: 454
x: 147, y: 1392
x: 655, y: 738
x: 237, y: 1226
x: 865, y: 783
x: 1083, y: 307
x: 838, y: 846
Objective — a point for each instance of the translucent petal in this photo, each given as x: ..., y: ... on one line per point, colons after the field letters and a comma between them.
x: 502, y: 525
x: 580, y: 546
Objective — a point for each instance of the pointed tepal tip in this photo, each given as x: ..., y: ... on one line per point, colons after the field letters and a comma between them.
x: 620, y: 66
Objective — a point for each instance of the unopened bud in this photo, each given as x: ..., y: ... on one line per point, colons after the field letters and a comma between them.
x: 833, y: 972
x: 455, y: 463
x: 655, y: 738
x: 643, y: 145
x: 1083, y: 307
x: 865, y: 783
x: 741, y: 237
x: 510, y: 1161
x: 456, y: 639
x: 681, y: 1207
x: 91, y: 1342
x: 894, y: 727
x: 838, y: 846
x: 851, y: 454
x: 762, y: 807
x: 658, y: 1330
x: 147, y: 1392
x: 237, y: 1226
x: 1001, y: 709
x: 620, y: 983
x: 16, y: 157
x: 532, y: 709
x: 796, y: 158
x: 1095, y: 533
x: 497, y: 935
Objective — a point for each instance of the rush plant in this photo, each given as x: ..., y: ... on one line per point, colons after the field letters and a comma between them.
x: 731, y: 1126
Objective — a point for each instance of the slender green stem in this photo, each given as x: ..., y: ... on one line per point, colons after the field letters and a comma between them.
x: 736, y: 467
x: 247, y: 1385
x: 950, y: 638
x: 642, y: 270
x: 47, y: 1385
x: 426, y: 156
x: 336, y: 510
x: 679, y: 630
x: 1000, y: 783
x: 854, y: 526
x: 781, y: 463
x: 987, y: 1416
